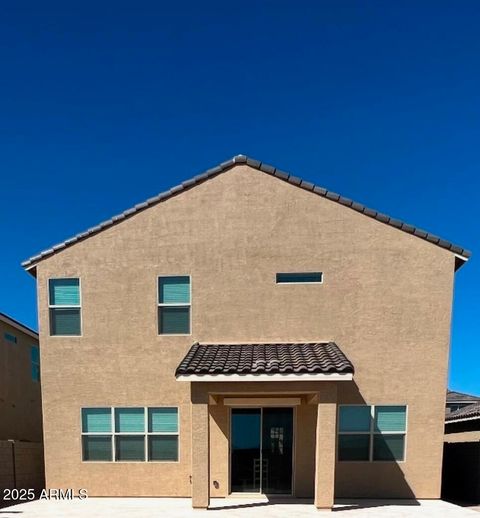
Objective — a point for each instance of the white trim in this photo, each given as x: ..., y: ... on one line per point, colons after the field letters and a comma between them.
x: 462, y: 419
x: 265, y: 377
x: 462, y: 257
x: 17, y: 325
x: 262, y: 401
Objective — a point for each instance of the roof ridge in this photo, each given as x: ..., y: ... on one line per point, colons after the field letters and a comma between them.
x: 266, y: 168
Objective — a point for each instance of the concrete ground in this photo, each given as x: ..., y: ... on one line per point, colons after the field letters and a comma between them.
x: 230, y: 508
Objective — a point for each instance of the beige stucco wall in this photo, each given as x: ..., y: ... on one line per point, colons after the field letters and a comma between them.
x: 386, y: 300
x: 20, y: 398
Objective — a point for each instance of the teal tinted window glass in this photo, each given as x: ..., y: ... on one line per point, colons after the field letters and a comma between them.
x: 355, y: 418
x: 64, y: 292
x: 174, y: 320
x: 10, y: 338
x: 163, y: 420
x: 65, y: 322
x: 97, y: 447
x: 129, y: 447
x: 388, y: 447
x: 129, y: 420
x: 174, y: 290
x: 299, y: 277
x: 163, y: 447
x: 96, y: 420
x: 390, y: 418
x: 35, y: 354
x: 354, y: 447
x: 35, y: 372
x: 35, y: 363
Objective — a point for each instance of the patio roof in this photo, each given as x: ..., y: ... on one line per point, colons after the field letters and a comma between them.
x: 265, y: 362
x: 467, y: 413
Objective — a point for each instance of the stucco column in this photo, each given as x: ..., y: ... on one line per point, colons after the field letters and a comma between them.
x: 325, y: 450
x: 200, y: 446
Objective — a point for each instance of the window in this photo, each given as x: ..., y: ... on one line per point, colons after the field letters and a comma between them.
x: 372, y: 433
x: 64, y: 305
x: 174, y: 305
x: 35, y: 362
x: 10, y: 338
x: 299, y: 277
x: 130, y: 434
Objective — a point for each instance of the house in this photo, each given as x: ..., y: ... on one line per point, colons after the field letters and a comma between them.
x: 246, y: 332
x: 457, y: 400
x: 20, y: 398
x: 461, y: 464
x: 21, y: 450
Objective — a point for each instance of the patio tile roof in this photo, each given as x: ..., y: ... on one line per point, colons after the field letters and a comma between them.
x: 265, y: 358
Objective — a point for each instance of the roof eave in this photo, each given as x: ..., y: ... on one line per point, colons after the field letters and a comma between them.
x: 461, y: 254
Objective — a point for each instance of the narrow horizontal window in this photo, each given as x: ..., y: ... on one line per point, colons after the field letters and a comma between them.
x: 174, y: 305
x: 299, y: 277
x: 64, y: 307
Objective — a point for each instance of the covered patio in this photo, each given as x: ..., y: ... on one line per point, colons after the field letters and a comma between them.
x: 284, y: 393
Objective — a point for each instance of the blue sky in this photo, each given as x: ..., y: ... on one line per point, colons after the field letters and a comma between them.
x: 104, y: 104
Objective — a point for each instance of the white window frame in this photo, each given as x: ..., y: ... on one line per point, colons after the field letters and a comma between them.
x: 299, y: 282
x: 57, y: 306
x: 113, y: 433
x: 174, y: 304
x: 372, y: 433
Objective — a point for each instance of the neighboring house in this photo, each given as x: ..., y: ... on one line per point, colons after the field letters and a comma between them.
x: 246, y: 331
x: 21, y: 449
x: 461, y: 465
x: 457, y: 400
x: 20, y: 398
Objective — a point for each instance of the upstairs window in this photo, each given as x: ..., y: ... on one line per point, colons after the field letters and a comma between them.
x: 174, y: 305
x: 64, y: 307
x: 35, y: 362
x: 300, y: 278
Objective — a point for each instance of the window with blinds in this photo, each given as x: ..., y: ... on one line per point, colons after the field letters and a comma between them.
x: 64, y: 307
x: 130, y: 434
x: 372, y: 433
x: 174, y: 305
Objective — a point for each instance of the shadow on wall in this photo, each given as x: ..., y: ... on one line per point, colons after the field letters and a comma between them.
x: 364, y: 479
x: 377, y: 481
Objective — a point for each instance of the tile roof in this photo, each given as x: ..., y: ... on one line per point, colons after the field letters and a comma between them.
x: 268, y: 169
x: 467, y: 412
x: 265, y: 358
x: 454, y: 396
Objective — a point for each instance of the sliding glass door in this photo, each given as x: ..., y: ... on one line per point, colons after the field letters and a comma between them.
x: 262, y: 450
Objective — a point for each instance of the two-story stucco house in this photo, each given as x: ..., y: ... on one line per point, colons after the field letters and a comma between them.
x: 246, y: 332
